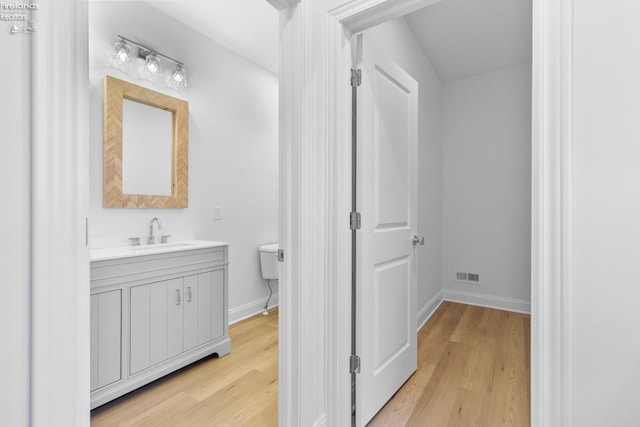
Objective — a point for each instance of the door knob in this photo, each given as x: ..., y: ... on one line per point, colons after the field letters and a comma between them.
x: 417, y: 240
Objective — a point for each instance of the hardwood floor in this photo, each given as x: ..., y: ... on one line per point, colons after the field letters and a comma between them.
x: 473, y: 370
x: 240, y: 389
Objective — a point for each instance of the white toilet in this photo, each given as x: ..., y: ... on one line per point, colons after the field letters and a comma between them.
x: 269, y: 268
x: 269, y: 261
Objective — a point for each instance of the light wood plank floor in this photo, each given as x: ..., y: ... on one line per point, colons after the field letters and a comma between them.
x: 473, y: 370
x: 240, y: 389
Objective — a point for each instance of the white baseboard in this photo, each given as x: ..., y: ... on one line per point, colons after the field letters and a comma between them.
x: 237, y: 314
x: 500, y: 303
x: 425, y: 312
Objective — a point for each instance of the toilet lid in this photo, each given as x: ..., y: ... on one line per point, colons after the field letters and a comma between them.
x: 272, y: 247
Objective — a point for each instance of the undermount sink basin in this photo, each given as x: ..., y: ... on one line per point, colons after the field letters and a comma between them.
x: 100, y: 254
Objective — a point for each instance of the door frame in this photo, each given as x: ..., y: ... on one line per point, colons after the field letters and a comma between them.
x: 59, y: 282
x: 314, y: 118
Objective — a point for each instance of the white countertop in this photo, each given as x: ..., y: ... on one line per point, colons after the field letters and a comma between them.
x: 101, y: 254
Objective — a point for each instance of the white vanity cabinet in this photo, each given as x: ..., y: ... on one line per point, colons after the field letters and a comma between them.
x: 153, y: 313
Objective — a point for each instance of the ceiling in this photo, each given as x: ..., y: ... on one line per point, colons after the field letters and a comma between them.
x: 464, y: 38
x: 249, y: 28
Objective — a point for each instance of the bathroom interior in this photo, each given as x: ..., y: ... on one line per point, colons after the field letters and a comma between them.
x: 474, y: 179
x: 230, y: 205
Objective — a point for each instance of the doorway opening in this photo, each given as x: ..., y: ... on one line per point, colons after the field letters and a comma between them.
x: 472, y: 64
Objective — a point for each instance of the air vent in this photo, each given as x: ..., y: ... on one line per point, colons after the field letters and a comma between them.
x: 467, y: 277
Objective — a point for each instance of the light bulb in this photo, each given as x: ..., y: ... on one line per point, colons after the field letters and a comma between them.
x: 152, y: 63
x: 178, y: 78
x: 121, y: 55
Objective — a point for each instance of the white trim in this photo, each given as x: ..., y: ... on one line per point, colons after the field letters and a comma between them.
x: 281, y: 5
x: 358, y: 15
x: 551, y: 201
x: 427, y: 311
x: 289, y: 221
x: 250, y: 309
x: 490, y: 301
x: 313, y: 236
x: 339, y: 235
x: 60, y: 258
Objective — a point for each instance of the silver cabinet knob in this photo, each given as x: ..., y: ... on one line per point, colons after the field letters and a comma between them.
x: 417, y: 240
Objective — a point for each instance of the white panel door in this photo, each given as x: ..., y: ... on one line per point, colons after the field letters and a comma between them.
x: 386, y: 335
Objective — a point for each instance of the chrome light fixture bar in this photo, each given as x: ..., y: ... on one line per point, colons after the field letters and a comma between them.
x: 152, y: 69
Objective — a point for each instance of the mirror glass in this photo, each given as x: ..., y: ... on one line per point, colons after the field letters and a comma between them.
x: 146, y: 149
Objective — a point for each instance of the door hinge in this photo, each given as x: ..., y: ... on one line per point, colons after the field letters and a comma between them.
x: 354, y: 220
x: 280, y: 255
x: 356, y: 78
x: 354, y: 364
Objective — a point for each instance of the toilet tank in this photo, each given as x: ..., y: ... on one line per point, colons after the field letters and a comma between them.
x: 269, y: 261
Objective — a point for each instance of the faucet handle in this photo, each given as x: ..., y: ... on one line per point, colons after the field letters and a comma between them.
x: 135, y: 241
x: 165, y: 238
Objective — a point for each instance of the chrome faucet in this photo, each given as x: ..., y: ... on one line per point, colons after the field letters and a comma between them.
x: 151, y: 240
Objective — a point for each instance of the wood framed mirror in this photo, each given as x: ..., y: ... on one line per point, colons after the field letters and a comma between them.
x: 146, y: 147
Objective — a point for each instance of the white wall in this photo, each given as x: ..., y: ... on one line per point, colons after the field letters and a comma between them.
x: 605, y: 216
x: 233, y: 145
x: 487, y: 187
x: 15, y: 214
x: 398, y: 42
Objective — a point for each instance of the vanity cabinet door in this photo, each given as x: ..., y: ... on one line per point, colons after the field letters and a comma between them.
x: 218, y: 301
x: 203, y: 308
x: 106, y: 338
x: 191, y: 298
x: 94, y: 341
x: 156, y: 323
x: 175, y: 319
x: 174, y: 316
x: 211, y: 306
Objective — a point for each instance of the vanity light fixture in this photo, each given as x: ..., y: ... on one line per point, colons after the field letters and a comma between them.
x: 122, y: 59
